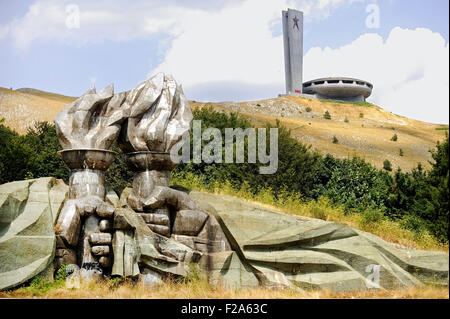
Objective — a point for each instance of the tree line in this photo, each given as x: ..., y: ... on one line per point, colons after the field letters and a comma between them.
x: 418, y: 199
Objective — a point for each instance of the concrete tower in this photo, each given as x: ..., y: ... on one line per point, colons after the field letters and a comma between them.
x: 293, y: 50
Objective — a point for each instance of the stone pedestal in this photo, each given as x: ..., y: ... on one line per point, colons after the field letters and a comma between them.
x: 152, y: 169
x: 87, y: 194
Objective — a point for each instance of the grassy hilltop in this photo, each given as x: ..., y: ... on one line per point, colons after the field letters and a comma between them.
x: 360, y: 129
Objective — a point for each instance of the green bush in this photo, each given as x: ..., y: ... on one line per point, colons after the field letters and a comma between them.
x: 357, y: 185
x: 413, y: 223
x: 418, y: 198
x: 371, y: 216
x: 394, y: 138
x: 61, y: 273
x: 118, y: 176
x: 318, y: 211
x: 39, y: 286
x: 387, y: 165
x: 295, y: 166
x: 438, y: 179
x: 327, y: 115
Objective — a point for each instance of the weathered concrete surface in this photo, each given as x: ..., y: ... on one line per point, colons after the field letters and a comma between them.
x: 340, y: 88
x: 240, y: 244
x: 136, y: 247
x: 293, y: 50
x: 28, y: 210
x: 291, y: 251
x: 225, y: 268
x: 92, y: 121
x: 159, y: 115
x: 189, y: 222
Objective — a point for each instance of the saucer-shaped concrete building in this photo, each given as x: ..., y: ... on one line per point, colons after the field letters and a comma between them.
x: 339, y: 88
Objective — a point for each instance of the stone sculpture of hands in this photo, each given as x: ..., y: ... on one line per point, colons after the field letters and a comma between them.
x: 159, y: 117
x: 86, y: 128
x: 162, y: 201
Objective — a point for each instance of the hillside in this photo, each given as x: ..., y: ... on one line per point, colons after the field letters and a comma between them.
x: 21, y: 108
x: 367, y: 132
x: 362, y: 129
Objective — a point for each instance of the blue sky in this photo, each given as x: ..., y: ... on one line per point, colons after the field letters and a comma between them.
x: 228, y: 50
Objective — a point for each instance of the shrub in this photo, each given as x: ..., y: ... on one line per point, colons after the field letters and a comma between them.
x: 327, y: 115
x: 355, y: 184
x: 361, y: 115
x: 194, y: 275
x: 116, y: 282
x: 371, y: 216
x: 400, y: 152
x: 39, y: 286
x: 387, y: 165
x: 346, y: 119
x: 318, y: 212
x: 295, y: 166
x: 61, y: 273
x: 394, y: 138
x: 308, y: 109
x: 438, y: 179
x: 413, y: 223
x: 118, y: 176
x: 15, y: 156
x: 303, y: 175
x: 335, y: 140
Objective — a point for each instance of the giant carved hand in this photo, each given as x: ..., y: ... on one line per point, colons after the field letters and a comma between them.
x: 159, y: 117
x: 86, y: 128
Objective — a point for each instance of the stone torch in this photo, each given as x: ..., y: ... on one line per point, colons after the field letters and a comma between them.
x: 159, y: 117
x: 86, y: 128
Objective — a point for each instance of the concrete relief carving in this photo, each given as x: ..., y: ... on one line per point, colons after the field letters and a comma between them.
x: 146, y: 122
x: 86, y: 129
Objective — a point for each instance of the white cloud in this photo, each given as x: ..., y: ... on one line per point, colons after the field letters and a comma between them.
x: 409, y: 71
x: 121, y: 20
x: 100, y: 20
x: 235, y: 44
x: 232, y: 43
x: 4, y: 30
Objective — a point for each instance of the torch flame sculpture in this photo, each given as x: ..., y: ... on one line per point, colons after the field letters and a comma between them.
x: 147, y: 122
x: 159, y: 117
x: 86, y: 128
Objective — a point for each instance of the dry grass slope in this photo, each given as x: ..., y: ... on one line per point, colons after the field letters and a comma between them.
x: 202, y: 290
x: 361, y: 129
x: 20, y: 109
